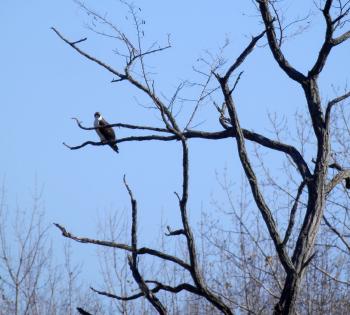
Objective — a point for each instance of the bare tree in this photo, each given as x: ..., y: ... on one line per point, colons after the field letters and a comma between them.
x: 32, y: 280
x: 293, y: 246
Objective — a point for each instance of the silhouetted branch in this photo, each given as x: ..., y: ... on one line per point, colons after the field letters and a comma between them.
x: 117, y: 297
x: 334, y: 102
x: 327, y: 44
x: 82, y: 311
x: 274, y: 45
x: 252, y: 179
x: 140, y: 251
x: 293, y: 212
x: 121, y: 125
x: 149, y: 295
x: 243, y: 55
x: 194, y: 134
x: 343, y: 175
x: 79, y: 41
x: 174, y: 233
x: 99, y: 62
x: 159, y: 287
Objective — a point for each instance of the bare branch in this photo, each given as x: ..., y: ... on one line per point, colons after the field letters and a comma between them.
x: 159, y: 287
x: 273, y: 43
x: 102, y: 64
x: 243, y: 55
x: 174, y: 233
x: 133, y: 224
x: 194, y: 134
x: 327, y: 45
x: 250, y: 174
x: 334, y: 102
x: 237, y: 80
x: 336, y: 232
x: 293, y: 212
x: 82, y: 311
x: 150, y: 296
x: 140, y: 251
x: 79, y: 41
x: 340, y: 39
x: 330, y: 276
x: 117, y: 297
x: 148, y: 52
x: 329, y: 41
x: 343, y: 175
x: 121, y: 125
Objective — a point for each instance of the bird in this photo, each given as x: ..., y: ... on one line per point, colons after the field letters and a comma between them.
x: 106, y: 134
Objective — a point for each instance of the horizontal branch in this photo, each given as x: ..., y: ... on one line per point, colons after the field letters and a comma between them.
x: 159, y: 287
x: 139, y: 251
x: 216, y: 135
x: 174, y: 233
x: 118, y: 297
x: 121, y: 125
x: 82, y: 311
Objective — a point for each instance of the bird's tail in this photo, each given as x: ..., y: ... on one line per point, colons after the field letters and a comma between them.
x: 114, y: 147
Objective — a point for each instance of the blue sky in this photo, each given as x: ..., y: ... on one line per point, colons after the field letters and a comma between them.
x: 44, y: 83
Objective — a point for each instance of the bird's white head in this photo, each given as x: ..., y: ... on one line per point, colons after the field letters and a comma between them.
x: 98, y: 116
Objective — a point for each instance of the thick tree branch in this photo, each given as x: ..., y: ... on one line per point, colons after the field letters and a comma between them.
x: 150, y: 296
x: 342, y: 175
x: 253, y: 182
x: 273, y: 43
x: 342, y: 38
x: 133, y: 262
x: 334, y: 102
x: 327, y: 45
x: 329, y: 41
x: 195, y: 270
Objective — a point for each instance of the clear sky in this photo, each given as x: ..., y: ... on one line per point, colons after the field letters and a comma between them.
x: 43, y: 83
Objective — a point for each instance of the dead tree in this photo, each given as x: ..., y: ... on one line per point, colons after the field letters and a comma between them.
x: 313, y: 182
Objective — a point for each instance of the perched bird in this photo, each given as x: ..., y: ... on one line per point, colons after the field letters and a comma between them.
x: 106, y: 134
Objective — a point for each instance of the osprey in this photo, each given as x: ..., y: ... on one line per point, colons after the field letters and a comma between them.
x: 106, y: 134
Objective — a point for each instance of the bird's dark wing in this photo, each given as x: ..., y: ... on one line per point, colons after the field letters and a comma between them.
x: 107, y: 132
